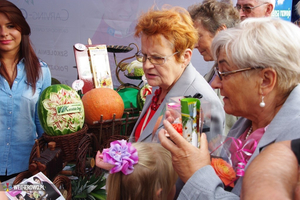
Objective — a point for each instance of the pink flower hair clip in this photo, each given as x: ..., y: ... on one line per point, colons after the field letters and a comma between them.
x: 122, y: 155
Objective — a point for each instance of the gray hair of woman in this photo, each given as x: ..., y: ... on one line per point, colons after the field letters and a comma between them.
x: 213, y: 14
x: 264, y: 42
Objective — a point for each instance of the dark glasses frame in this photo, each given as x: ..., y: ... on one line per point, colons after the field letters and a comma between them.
x: 248, y: 9
x: 226, y: 73
x: 155, y: 60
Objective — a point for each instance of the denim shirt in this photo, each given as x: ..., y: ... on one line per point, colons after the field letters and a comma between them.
x: 19, y: 123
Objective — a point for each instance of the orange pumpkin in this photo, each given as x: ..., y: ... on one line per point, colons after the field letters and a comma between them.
x: 102, y: 101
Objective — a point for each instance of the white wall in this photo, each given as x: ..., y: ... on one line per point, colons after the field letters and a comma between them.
x: 58, y: 24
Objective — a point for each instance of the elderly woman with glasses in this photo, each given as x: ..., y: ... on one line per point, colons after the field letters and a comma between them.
x: 167, y: 40
x: 258, y: 73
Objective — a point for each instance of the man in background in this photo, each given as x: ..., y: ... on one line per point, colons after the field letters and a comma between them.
x: 255, y: 8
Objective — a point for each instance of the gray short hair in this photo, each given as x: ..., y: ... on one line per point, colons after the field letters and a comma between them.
x: 265, y: 42
x: 212, y: 14
x: 268, y: 1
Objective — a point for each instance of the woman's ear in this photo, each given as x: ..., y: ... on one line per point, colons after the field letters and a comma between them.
x: 221, y: 28
x: 187, y: 56
x: 269, y: 79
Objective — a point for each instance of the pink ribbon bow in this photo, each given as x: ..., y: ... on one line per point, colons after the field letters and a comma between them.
x: 243, y: 153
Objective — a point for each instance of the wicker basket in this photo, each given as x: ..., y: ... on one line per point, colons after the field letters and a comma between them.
x: 68, y: 143
x: 87, y: 147
x: 115, y: 128
x: 21, y: 176
x: 63, y: 182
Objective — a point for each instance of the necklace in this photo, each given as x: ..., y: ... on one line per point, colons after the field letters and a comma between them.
x: 154, y: 105
x: 249, y: 132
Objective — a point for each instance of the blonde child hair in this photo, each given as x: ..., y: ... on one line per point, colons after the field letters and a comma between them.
x: 153, y: 176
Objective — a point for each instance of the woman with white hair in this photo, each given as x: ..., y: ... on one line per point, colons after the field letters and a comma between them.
x: 258, y: 73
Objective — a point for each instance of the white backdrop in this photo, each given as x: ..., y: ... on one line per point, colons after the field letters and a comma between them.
x: 58, y: 24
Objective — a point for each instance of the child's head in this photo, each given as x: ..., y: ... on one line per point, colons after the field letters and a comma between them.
x: 153, y: 177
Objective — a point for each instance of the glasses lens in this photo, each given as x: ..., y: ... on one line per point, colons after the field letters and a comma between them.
x: 247, y: 9
x: 157, y: 60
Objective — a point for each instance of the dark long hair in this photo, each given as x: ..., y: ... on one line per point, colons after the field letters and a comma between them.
x: 31, y: 61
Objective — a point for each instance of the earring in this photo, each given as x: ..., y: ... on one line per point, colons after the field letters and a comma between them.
x: 262, y: 103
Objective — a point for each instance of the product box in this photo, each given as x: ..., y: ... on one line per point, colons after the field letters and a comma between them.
x: 93, y: 66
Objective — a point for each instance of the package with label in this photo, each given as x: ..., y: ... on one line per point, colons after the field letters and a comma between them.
x: 93, y: 66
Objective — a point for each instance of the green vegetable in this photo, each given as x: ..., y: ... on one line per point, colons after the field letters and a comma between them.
x: 60, y: 110
x: 138, y: 72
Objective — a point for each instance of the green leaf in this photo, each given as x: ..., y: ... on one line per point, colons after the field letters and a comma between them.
x: 84, y: 187
x: 100, y: 196
x: 101, y: 185
x: 91, y: 188
x: 91, y: 197
x: 81, y: 195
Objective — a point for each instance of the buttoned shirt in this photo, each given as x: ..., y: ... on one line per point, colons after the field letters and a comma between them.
x: 19, y: 122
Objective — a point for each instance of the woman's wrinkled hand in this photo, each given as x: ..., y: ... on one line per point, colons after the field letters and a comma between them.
x: 186, y: 158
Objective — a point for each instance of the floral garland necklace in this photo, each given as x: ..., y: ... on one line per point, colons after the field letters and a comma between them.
x: 154, y: 105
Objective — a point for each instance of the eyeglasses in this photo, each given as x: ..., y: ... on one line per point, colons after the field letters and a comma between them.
x: 155, y: 60
x: 248, y: 9
x: 221, y: 74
